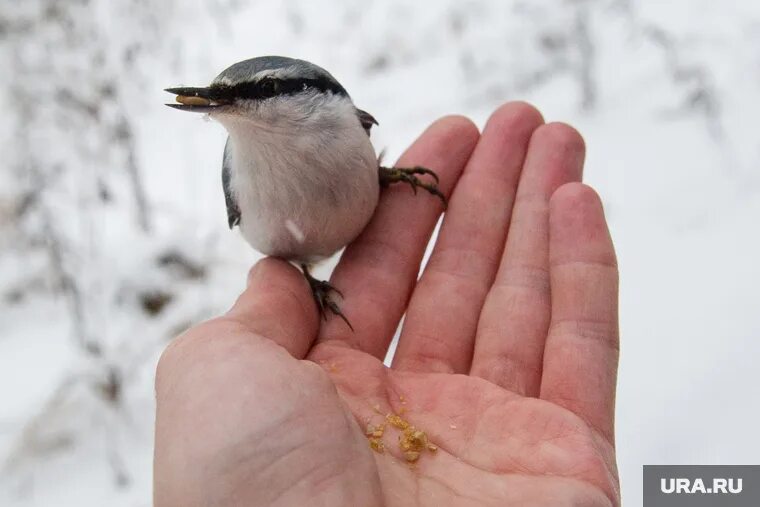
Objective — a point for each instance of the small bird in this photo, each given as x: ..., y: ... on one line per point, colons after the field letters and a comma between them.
x: 300, y: 176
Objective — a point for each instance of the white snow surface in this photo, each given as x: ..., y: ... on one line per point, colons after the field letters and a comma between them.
x: 670, y: 96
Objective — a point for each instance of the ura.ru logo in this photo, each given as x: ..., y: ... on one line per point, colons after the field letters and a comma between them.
x: 689, y: 486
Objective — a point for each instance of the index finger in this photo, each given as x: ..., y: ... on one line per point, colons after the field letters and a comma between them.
x: 378, y: 270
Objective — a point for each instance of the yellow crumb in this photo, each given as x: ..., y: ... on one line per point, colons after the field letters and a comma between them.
x: 413, y: 440
x: 396, y: 421
x: 377, y: 445
x: 417, y: 438
x: 411, y: 456
x: 375, y: 431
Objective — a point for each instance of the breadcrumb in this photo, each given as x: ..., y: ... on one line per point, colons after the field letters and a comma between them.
x: 411, y: 456
x: 412, y: 441
x: 375, y: 431
x: 377, y: 445
x: 396, y: 421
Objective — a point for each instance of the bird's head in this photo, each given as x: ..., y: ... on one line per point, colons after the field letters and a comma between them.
x: 267, y: 92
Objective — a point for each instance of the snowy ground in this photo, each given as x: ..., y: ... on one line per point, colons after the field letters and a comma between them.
x: 664, y: 93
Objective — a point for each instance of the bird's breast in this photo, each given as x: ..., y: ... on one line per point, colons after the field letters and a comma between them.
x: 304, y: 197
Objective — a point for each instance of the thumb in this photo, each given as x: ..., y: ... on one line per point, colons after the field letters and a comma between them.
x: 278, y: 305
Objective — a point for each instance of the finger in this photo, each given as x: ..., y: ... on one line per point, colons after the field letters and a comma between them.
x: 378, y: 270
x: 277, y: 305
x: 581, y: 355
x: 439, y: 329
x: 515, y: 318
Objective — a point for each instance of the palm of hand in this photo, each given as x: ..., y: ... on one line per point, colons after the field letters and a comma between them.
x: 512, y: 381
x: 494, y: 447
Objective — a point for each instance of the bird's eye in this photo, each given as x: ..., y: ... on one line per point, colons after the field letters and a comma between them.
x: 269, y: 87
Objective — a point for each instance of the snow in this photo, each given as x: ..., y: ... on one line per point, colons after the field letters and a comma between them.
x: 672, y: 148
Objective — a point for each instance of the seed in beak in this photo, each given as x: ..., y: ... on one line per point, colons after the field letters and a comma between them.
x: 192, y: 101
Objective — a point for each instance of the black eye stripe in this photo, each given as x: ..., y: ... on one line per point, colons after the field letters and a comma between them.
x: 256, y: 91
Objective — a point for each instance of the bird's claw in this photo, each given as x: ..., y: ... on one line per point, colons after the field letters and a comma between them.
x: 321, y: 290
x: 390, y: 175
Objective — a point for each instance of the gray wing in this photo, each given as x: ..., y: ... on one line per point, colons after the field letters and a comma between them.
x: 233, y: 211
x: 367, y: 120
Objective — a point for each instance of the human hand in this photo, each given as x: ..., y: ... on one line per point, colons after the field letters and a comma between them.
x: 507, y: 358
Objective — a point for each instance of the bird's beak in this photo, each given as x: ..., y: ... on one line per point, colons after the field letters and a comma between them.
x: 197, y: 100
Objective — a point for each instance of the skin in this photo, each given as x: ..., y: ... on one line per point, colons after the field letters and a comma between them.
x: 507, y: 356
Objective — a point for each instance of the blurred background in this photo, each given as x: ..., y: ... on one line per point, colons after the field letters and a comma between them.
x: 113, y: 233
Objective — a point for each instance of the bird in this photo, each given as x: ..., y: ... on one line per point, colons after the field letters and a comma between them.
x: 300, y: 176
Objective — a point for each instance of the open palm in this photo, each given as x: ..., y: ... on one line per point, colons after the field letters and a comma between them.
x: 507, y: 357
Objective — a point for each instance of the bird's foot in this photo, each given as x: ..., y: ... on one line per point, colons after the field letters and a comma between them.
x: 321, y: 290
x: 390, y: 175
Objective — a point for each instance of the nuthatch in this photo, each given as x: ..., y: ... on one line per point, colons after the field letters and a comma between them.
x: 300, y: 175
